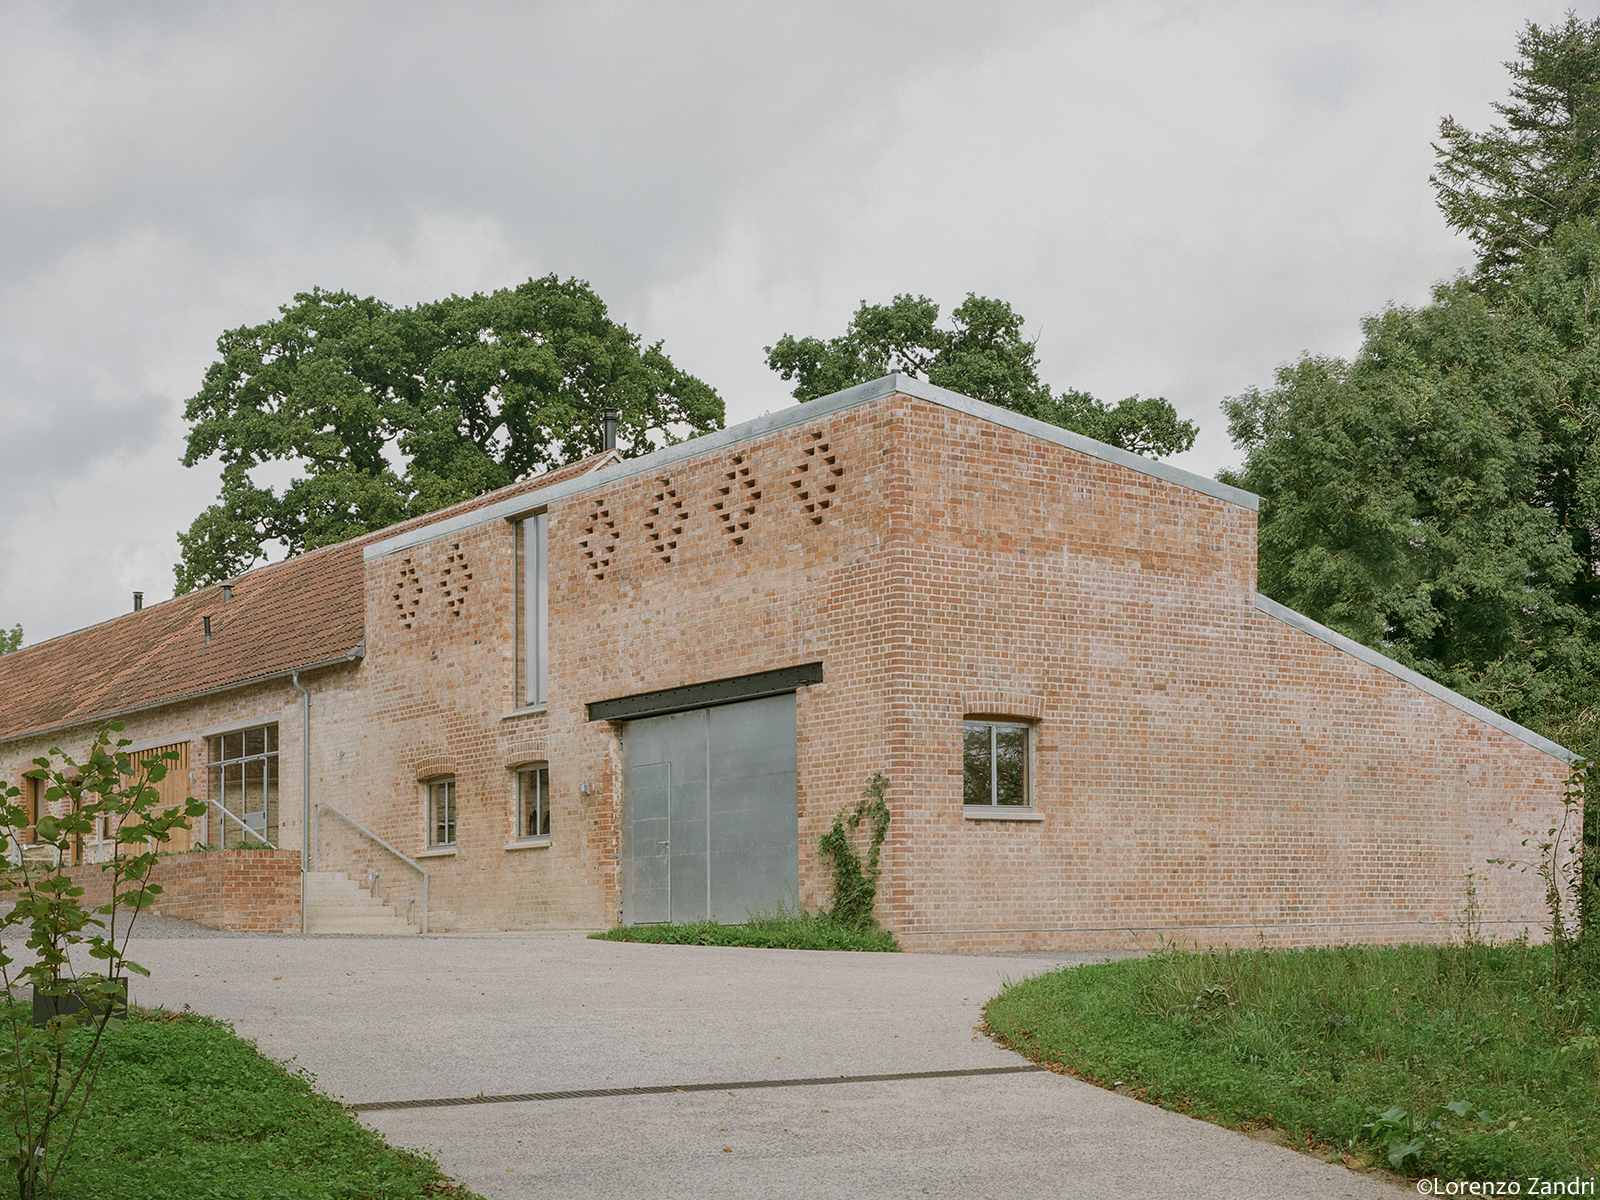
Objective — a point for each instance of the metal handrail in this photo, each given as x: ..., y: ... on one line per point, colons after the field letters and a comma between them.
x: 360, y: 828
x: 238, y: 822
x: 15, y: 848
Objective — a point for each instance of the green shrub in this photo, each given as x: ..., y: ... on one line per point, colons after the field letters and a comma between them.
x: 43, y: 1084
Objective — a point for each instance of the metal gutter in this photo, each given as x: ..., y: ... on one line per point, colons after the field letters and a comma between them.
x: 305, y: 792
x: 359, y: 650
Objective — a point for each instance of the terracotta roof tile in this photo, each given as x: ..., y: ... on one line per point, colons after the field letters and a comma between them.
x: 301, y: 611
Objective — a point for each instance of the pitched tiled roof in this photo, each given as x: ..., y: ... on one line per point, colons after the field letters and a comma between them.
x: 302, y: 611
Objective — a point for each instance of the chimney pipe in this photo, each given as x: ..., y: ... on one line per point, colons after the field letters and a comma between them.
x: 608, y: 426
x: 138, y: 601
x: 207, y: 622
x: 227, y: 592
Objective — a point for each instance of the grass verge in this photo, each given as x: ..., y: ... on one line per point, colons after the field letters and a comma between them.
x: 774, y: 931
x: 183, y: 1107
x: 1469, y: 1062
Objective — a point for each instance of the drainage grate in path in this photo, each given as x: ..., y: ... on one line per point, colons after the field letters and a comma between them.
x: 670, y: 1089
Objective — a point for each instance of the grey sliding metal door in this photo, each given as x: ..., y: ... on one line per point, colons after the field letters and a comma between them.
x: 713, y: 818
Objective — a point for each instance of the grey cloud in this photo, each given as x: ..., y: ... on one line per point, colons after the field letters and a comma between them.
x: 1178, y: 196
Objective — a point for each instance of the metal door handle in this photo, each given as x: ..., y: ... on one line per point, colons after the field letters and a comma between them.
x: 663, y: 843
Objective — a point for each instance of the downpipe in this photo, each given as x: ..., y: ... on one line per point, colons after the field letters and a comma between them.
x: 305, y: 791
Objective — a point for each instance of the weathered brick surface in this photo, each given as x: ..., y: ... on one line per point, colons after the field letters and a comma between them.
x: 333, y: 688
x: 1202, y: 770
x: 247, y: 891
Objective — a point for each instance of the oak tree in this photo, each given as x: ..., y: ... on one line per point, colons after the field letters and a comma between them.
x: 392, y: 412
x: 1438, y: 498
x: 983, y: 354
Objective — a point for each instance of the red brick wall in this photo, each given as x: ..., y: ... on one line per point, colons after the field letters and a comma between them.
x: 245, y: 891
x: 1205, y: 772
x: 1202, y: 770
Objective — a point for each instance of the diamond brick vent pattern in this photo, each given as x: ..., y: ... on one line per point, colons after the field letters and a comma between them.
x: 663, y: 524
x: 455, y: 581
x: 407, y: 594
x: 816, y: 478
x: 737, y: 500
x: 599, y: 540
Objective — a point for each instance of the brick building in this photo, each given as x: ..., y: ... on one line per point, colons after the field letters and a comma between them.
x: 641, y: 690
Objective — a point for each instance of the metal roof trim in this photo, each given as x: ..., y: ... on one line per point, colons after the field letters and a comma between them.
x: 663, y: 460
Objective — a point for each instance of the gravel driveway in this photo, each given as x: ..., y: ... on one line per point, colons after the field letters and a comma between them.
x: 389, y: 1022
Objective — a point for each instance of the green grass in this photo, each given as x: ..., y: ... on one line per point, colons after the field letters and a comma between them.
x: 1319, y: 1043
x: 185, y: 1108
x: 775, y: 931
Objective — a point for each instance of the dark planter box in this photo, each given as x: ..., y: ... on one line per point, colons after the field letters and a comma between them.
x: 71, y: 1003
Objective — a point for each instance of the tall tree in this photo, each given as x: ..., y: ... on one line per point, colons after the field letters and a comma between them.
x: 983, y: 355
x: 1510, y: 188
x: 1439, y: 497
x: 394, y: 412
x: 10, y: 639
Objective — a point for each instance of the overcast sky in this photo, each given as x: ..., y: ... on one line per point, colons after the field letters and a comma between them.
x: 1177, y: 196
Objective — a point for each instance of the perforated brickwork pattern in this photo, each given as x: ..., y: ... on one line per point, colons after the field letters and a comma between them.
x: 1202, y: 772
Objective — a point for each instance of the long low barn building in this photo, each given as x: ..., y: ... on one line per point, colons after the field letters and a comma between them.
x: 641, y: 690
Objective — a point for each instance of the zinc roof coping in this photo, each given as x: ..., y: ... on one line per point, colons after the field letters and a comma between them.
x: 517, y: 507
x: 1416, y: 679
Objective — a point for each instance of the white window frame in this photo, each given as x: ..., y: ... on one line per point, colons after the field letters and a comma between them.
x: 533, y: 686
x: 220, y: 789
x: 993, y: 809
x: 431, y: 792
x: 541, y: 776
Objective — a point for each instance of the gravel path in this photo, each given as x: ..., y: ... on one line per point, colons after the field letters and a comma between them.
x: 449, y: 1017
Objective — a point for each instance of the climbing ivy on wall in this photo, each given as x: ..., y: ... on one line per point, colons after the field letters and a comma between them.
x: 855, y: 887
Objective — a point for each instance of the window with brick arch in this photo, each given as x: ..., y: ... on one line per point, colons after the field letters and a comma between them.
x: 533, y: 803
x: 996, y: 771
x: 441, y: 795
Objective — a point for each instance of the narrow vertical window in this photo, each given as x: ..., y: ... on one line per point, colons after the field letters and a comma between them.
x: 442, y: 813
x: 995, y: 764
x: 535, y: 609
x: 533, y: 803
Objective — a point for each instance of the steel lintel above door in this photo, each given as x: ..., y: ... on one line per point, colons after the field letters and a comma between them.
x: 705, y: 695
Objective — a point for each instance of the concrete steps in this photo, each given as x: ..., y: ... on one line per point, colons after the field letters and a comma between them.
x: 334, y: 904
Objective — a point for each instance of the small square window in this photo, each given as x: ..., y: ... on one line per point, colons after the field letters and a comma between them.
x: 533, y: 803
x: 995, y: 765
x: 442, y: 813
